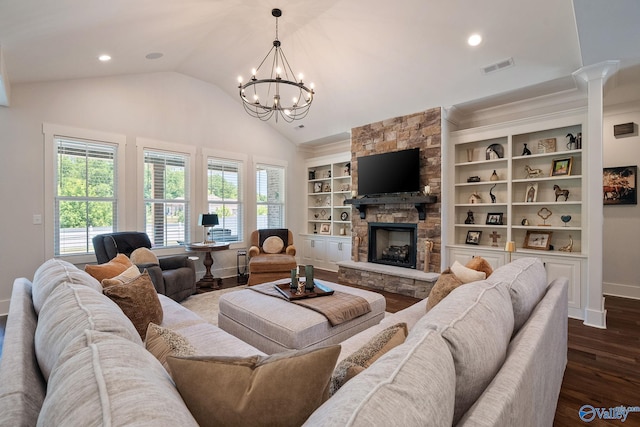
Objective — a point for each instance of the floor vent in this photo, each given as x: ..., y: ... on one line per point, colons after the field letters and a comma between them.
x: 498, y: 66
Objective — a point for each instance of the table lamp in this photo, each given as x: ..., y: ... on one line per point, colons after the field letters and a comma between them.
x: 207, y: 221
x: 510, y: 247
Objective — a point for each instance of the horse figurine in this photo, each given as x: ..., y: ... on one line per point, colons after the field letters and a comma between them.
x: 560, y: 192
x: 531, y: 172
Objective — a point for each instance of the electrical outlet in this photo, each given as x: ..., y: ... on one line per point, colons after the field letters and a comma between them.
x: 37, y: 219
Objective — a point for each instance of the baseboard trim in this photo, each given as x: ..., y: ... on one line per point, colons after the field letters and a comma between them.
x: 619, y: 290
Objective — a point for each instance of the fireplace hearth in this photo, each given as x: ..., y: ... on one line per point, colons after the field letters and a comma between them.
x: 393, y: 244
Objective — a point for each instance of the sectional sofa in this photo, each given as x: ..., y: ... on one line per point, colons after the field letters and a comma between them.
x: 492, y: 353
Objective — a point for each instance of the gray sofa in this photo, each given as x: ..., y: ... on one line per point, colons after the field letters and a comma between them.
x: 492, y: 353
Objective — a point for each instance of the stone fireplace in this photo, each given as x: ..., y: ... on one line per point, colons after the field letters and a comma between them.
x: 393, y: 244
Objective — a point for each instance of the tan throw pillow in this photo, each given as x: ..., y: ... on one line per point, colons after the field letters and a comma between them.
x: 143, y: 256
x: 139, y: 300
x: 126, y: 276
x: 465, y: 274
x: 109, y: 269
x: 273, y: 245
x: 444, y: 285
x: 163, y: 342
x: 480, y: 264
x: 364, y: 357
x: 282, y: 389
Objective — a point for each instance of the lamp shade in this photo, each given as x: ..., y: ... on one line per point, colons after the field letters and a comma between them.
x: 510, y: 247
x: 208, y: 220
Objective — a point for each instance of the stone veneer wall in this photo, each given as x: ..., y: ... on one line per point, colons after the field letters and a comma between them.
x: 422, y: 130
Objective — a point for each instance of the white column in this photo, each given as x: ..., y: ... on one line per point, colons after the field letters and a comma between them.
x: 596, y: 76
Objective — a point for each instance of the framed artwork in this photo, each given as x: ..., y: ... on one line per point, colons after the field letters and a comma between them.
x: 317, y: 187
x: 531, y: 193
x: 540, y: 240
x: 494, y: 218
x: 547, y: 145
x: 561, y: 167
x: 325, y: 228
x: 619, y: 185
x: 473, y: 237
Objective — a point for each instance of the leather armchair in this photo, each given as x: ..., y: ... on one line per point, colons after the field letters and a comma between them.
x: 174, y: 276
x: 267, y: 266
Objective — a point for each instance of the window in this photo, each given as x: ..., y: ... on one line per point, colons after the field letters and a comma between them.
x: 224, y: 197
x: 270, y: 196
x: 166, y: 197
x: 85, y: 199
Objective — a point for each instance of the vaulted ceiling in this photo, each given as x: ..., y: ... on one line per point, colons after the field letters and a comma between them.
x: 369, y: 59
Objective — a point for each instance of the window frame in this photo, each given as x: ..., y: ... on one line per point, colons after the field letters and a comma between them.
x: 53, y: 131
x: 270, y: 162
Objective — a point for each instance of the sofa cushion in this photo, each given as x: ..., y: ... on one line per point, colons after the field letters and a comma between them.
x: 411, y: 385
x: 480, y: 264
x: 129, y: 274
x: 273, y: 245
x: 476, y: 321
x: 143, y: 256
x: 138, y: 300
x: 466, y: 274
x: 53, y: 272
x: 92, y: 386
x: 67, y: 313
x: 272, y: 262
x: 526, y: 279
x: 282, y: 389
x: 163, y: 342
x: 443, y: 287
x: 109, y: 269
x: 355, y: 363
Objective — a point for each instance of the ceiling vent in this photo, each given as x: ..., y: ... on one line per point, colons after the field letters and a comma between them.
x: 498, y: 66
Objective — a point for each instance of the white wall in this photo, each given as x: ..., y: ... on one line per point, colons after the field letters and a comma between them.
x: 162, y: 106
x: 621, y: 275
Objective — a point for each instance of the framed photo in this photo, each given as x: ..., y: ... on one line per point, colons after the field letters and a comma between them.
x: 317, y: 187
x: 325, y: 228
x: 494, y: 218
x: 531, y: 193
x: 619, y: 185
x: 547, y: 145
x: 473, y: 237
x: 561, y: 166
x: 540, y: 240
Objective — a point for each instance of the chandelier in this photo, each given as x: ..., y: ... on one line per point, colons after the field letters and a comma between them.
x: 280, y: 94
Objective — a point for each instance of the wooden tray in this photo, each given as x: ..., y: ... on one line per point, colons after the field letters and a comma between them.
x: 291, y: 294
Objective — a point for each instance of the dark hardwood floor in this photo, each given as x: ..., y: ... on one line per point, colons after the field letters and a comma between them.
x: 603, y: 368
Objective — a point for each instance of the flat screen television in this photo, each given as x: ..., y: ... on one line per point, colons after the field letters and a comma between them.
x: 386, y: 173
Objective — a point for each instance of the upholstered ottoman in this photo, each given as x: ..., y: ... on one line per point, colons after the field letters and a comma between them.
x: 272, y: 324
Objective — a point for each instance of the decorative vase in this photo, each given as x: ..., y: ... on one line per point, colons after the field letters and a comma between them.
x: 308, y: 272
x: 494, y: 176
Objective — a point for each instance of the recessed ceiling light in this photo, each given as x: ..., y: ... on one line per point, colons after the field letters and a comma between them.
x: 474, y: 40
x: 154, y: 55
x: 104, y: 58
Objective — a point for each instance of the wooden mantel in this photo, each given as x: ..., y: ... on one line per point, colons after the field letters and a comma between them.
x: 420, y: 203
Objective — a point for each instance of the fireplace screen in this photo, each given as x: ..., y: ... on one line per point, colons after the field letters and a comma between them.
x: 393, y: 244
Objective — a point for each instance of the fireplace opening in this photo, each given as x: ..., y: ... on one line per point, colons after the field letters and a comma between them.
x: 393, y: 244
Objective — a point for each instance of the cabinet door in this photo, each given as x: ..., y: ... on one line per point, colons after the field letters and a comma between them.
x: 314, y: 251
x: 569, y: 269
x: 338, y: 250
x: 463, y: 256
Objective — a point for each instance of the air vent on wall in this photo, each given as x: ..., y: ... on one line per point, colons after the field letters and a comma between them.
x: 498, y: 66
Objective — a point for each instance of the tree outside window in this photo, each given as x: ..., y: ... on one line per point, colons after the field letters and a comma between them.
x: 270, y: 190
x: 224, y: 197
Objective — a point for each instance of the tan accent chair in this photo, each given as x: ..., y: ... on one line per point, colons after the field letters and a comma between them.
x: 267, y: 267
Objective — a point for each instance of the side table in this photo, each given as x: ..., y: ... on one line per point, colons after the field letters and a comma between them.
x: 208, y: 281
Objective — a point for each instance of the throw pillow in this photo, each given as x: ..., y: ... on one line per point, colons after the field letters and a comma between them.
x: 126, y: 276
x: 364, y: 357
x: 139, y: 300
x: 446, y: 283
x: 465, y: 274
x: 163, y: 342
x: 273, y: 245
x: 480, y: 264
x: 143, y: 256
x: 109, y: 269
x: 282, y: 389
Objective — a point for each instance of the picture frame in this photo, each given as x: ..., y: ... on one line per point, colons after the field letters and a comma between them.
x: 494, y: 218
x: 539, y: 240
x: 317, y: 187
x: 325, y: 228
x: 561, y: 167
x: 531, y: 192
x: 547, y: 145
x: 619, y: 185
x: 473, y: 237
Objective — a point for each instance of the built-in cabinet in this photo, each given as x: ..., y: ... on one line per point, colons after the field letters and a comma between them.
x: 327, y: 239
x: 524, y: 182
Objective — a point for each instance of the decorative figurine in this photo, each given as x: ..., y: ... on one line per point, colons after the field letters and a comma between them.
x: 544, y: 213
x: 475, y: 198
x: 560, y: 192
x: 569, y: 247
x: 524, y: 222
x: 469, y: 219
x: 493, y: 197
x: 572, y: 144
x: 531, y: 172
x: 526, y: 151
x: 565, y: 219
